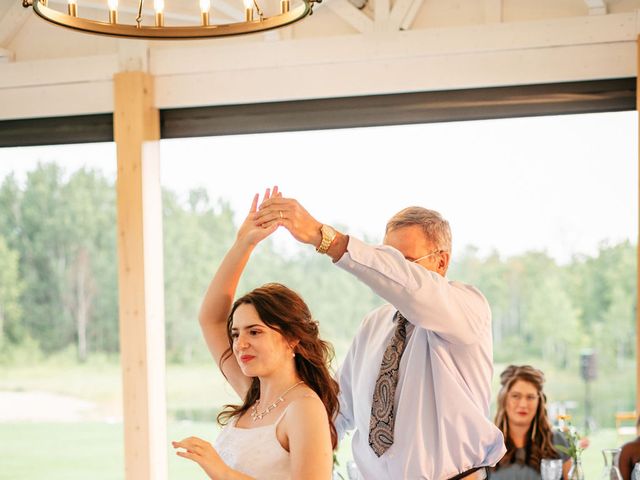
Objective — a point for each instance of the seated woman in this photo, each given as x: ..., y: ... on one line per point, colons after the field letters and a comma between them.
x: 629, y: 456
x: 267, y: 347
x: 522, y: 417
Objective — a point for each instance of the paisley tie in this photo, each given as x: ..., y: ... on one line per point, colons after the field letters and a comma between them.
x: 382, y: 415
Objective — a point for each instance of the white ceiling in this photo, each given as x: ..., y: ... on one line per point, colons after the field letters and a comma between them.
x: 384, y: 47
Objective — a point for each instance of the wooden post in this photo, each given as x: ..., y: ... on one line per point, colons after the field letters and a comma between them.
x: 136, y: 125
x: 638, y: 247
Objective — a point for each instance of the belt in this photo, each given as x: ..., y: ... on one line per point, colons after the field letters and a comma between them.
x: 477, y: 473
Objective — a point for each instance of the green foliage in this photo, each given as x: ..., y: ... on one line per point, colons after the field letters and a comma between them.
x: 25, y: 352
x: 196, y: 237
x: 548, y: 311
x: 575, y: 446
x: 64, y: 233
x: 58, y: 282
x: 11, y: 288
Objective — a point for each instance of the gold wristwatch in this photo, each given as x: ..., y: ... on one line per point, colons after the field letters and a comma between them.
x: 328, y: 235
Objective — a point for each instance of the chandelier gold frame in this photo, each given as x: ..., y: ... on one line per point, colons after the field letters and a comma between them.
x: 160, y: 31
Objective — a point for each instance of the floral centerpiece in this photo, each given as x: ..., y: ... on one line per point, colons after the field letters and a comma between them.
x: 576, y: 445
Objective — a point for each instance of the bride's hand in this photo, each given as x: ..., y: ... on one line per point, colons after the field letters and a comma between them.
x: 203, y: 453
x: 250, y: 232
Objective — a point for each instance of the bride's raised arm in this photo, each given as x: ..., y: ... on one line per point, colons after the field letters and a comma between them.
x: 218, y: 298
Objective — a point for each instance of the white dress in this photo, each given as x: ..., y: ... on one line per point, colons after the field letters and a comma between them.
x: 254, y: 451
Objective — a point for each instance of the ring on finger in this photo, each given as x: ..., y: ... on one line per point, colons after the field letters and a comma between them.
x: 281, y: 216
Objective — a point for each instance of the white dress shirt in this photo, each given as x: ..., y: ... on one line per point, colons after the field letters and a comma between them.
x: 444, y: 385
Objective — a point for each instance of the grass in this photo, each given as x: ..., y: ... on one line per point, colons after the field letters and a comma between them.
x: 74, y: 451
x: 79, y: 451
x: 592, y: 459
x: 190, y: 387
x: 89, y: 450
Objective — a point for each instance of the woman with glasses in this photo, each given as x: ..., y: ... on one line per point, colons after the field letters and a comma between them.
x: 522, y: 417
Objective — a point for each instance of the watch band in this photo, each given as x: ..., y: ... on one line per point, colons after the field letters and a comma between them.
x: 328, y: 235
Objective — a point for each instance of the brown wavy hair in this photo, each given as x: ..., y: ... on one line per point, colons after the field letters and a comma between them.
x: 284, y: 311
x: 540, y: 435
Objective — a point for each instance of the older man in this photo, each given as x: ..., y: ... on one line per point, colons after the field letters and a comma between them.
x: 416, y: 382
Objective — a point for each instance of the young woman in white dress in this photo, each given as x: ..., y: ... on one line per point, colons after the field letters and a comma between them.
x: 267, y: 346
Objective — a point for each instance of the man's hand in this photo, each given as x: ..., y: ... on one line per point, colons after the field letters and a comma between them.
x: 291, y: 215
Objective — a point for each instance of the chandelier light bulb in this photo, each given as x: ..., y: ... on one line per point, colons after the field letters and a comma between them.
x: 72, y: 8
x: 248, y: 10
x: 158, y: 5
x: 113, y: 11
x: 205, y: 6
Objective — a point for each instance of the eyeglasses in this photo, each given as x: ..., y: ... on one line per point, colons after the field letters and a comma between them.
x: 426, y: 256
x: 516, y: 397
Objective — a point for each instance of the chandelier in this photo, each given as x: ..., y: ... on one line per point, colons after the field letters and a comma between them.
x: 255, y: 19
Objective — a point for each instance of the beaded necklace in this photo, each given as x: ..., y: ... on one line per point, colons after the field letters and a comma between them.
x: 255, y: 415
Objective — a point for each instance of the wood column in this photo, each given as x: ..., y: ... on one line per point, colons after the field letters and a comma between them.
x: 136, y: 124
x: 638, y: 243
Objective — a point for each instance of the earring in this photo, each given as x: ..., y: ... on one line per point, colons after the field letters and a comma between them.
x: 293, y: 355
x: 534, y: 431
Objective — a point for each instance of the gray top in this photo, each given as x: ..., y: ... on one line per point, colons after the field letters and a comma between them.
x: 516, y: 471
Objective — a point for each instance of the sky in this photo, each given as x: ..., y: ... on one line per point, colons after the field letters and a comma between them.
x: 562, y: 184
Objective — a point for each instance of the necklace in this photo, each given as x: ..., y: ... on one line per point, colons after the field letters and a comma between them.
x: 256, y: 415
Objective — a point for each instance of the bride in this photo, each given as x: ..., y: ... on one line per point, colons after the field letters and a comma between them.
x: 267, y: 346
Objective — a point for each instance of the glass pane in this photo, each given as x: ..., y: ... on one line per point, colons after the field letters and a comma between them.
x: 60, y: 381
x: 544, y: 218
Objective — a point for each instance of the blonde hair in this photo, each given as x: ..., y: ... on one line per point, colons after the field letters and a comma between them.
x: 434, y: 226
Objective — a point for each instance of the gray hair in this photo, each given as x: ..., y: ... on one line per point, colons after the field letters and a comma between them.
x: 434, y: 226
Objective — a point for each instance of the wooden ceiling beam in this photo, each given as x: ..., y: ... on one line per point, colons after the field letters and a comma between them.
x: 493, y: 11
x: 12, y: 21
x: 352, y: 15
x: 596, y: 7
x: 403, y: 14
x: 381, y: 11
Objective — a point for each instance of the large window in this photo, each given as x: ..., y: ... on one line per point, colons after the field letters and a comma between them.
x: 544, y: 218
x: 60, y: 380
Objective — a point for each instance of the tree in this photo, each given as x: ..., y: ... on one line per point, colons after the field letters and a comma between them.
x: 44, y: 258
x: 89, y: 220
x: 10, y: 221
x: 196, y: 236
x: 64, y: 232
x: 609, y: 293
x: 11, y: 287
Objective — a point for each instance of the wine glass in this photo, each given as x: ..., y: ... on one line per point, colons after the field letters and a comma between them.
x: 551, y: 468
